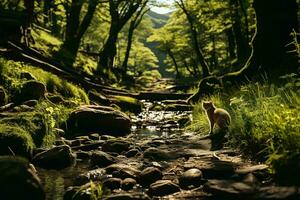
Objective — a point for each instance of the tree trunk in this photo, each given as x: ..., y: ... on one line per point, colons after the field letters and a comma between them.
x: 170, y: 53
x: 231, y: 43
x: 276, y: 19
x: 128, y: 48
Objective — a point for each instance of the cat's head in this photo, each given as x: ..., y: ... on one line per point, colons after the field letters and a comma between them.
x: 207, y: 105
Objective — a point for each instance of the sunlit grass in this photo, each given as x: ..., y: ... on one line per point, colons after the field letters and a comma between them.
x: 265, y: 122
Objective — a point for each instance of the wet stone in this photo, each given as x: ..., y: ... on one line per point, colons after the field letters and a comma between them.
x: 163, y: 188
x: 132, y: 153
x: 122, y: 171
x: 191, y: 178
x: 94, y: 136
x: 101, y: 159
x: 117, y: 146
x: 83, y: 155
x: 128, y: 184
x: 156, y: 154
x: 112, y: 183
x: 278, y: 193
x: 149, y: 176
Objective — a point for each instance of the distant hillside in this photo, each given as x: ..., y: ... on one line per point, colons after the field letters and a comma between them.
x: 159, y: 20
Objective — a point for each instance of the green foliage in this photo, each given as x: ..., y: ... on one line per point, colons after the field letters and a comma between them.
x: 265, y: 121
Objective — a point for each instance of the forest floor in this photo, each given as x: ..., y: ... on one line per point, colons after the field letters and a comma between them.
x: 161, y: 159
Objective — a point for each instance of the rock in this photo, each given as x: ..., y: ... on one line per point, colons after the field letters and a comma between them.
x: 132, y: 153
x: 229, y: 189
x: 278, y: 193
x: 163, y: 188
x: 128, y: 184
x: 100, y: 119
x: 57, y: 99
x: 3, y: 96
x: 31, y: 90
x: 101, y: 159
x: 94, y: 136
x: 192, y: 177
x: 156, y: 154
x: 15, y: 141
x: 83, y: 155
x: 127, y: 196
x: 112, y: 183
x: 117, y: 146
x: 56, y: 158
x: 127, y: 103
x: 18, y: 180
x: 88, y: 147
x: 107, y: 137
x: 183, y: 122
x: 149, y: 176
x: 27, y: 75
x: 178, y: 107
x: 215, y: 169
x: 123, y: 171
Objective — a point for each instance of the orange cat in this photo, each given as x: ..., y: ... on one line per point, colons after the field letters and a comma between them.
x: 217, y: 116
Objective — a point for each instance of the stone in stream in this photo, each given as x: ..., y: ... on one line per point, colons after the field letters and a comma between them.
x: 128, y: 184
x: 18, y: 180
x: 112, y: 183
x: 132, y: 153
x: 156, y: 154
x: 116, y: 146
x: 278, y: 193
x: 127, y: 196
x: 191, y: 178
x: 163, y: 188
x: 56, y: 158
x: 149, y: 176
x: 229, y: 189
x: 123, y: 171
x: 101, y: 159
x: 89, y: 119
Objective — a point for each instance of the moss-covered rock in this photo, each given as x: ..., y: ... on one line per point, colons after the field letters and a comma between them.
x: 15, y: 141
x: 98, y: 119
x: 18, y: 180
x: 127, y: 103
x: 30, y: 90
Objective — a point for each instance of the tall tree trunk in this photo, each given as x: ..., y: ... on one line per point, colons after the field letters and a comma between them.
x: 276, y: 19
x: 231, y: 43
x: 170, y: 53
x: 242, y: 47
x: 194, y: 32
x: 128, y: 48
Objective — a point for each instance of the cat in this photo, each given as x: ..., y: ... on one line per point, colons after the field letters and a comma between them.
x: 217, y: 116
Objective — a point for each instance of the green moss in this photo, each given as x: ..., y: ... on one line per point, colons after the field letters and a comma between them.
x: 128, y: 103
x: 15, y: 141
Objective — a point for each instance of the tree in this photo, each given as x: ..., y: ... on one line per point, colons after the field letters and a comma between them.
x: 75, y: 29
x: 120, y: 12
x: 194, y: 32
x: 134, y: 23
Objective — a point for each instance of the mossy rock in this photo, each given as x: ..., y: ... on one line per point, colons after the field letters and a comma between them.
x: 31, y: 90
x: 33, y: 123
x: 18, y: 180
x: 15, y: 141
x: 127, y: 103
x: 3, y: 96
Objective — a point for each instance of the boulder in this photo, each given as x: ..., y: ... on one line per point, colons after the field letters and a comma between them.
x: 31, y: 90
x: 127, y: 103
x: 116, y: 146
x: 192, y: 177
x: 123, y: 171
x: 128, y: 184
x: 56, y: 158
x: 100, y: 119
x: 15, y: 141
x: 163, y: 188
x: 101, y: 159
x: 149, y: 176
x: 112, y: 183
x: 18, y: 180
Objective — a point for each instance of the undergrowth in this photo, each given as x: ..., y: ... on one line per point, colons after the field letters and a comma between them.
x: 265, y: 124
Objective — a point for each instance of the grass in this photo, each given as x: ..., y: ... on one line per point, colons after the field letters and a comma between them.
x: 265, y: 124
